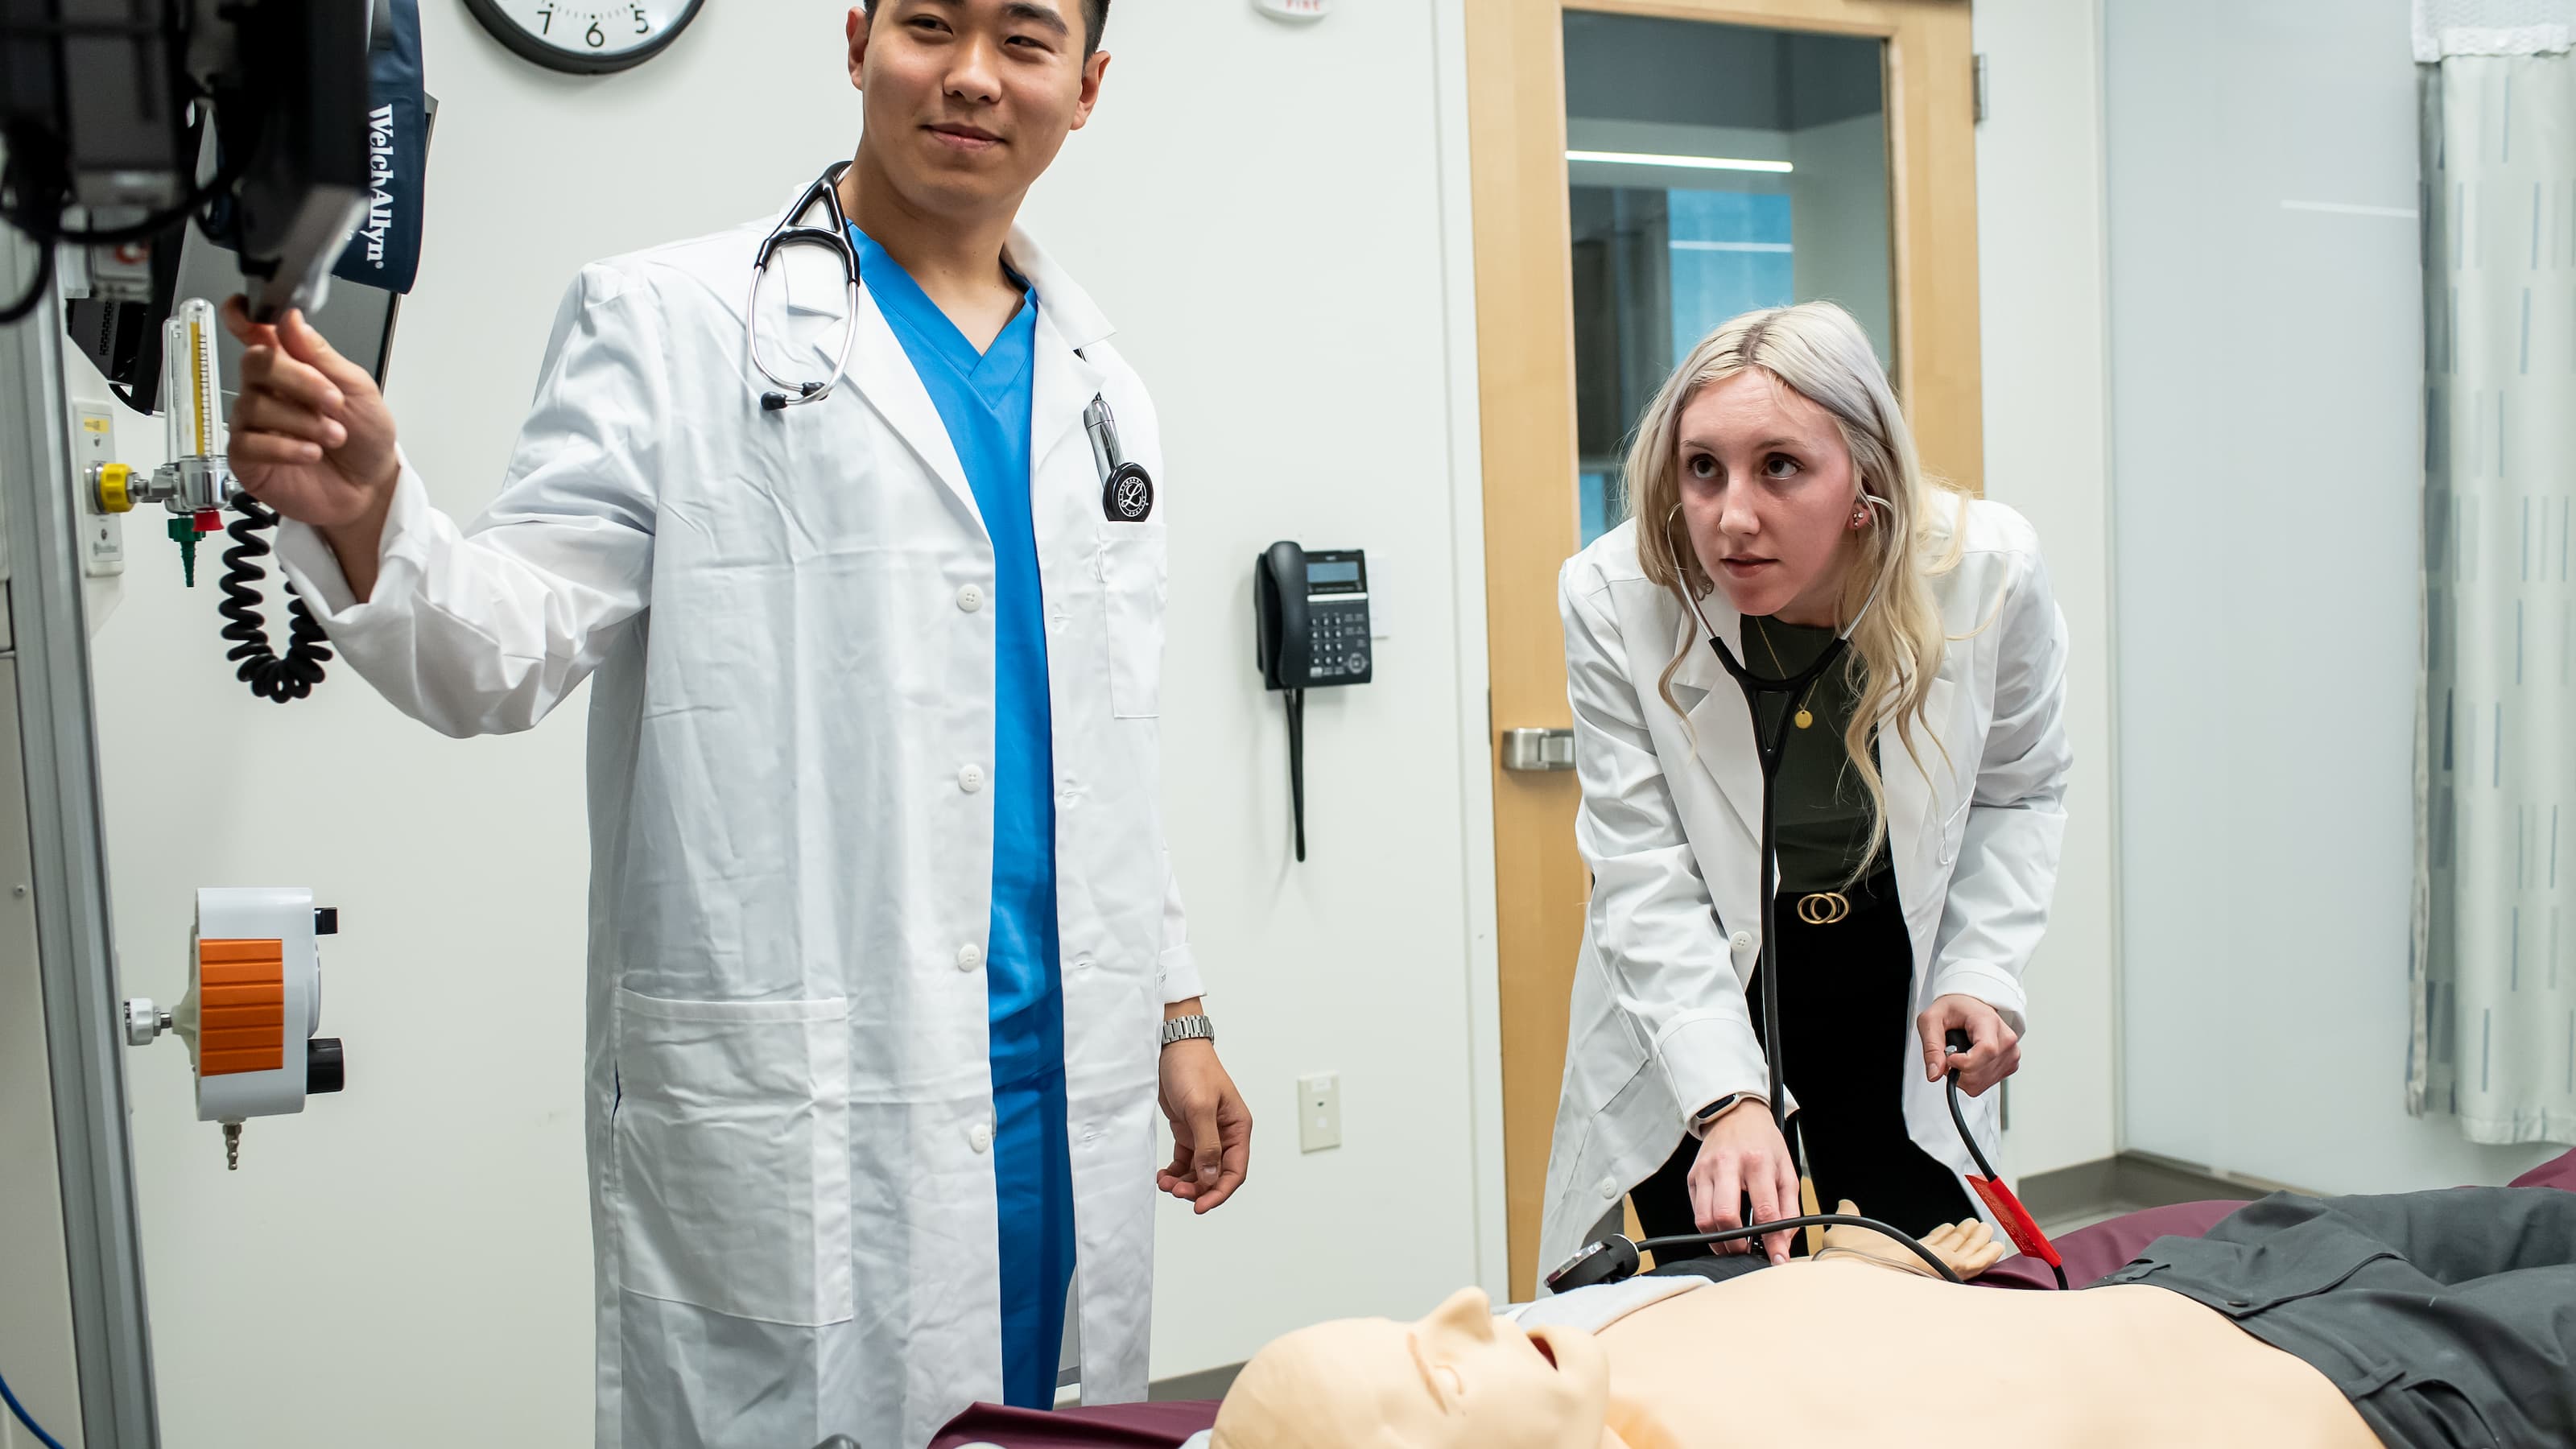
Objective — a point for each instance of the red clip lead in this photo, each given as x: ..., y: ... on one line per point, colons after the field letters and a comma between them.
x: 2018, y: 1226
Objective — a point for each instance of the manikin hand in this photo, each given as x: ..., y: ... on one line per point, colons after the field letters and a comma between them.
x: 1969, y: 1247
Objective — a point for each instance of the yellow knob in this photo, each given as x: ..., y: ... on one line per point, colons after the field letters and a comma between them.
x: 110, y: 481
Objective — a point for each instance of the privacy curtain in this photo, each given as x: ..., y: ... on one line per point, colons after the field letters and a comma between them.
x: 2494, y: 966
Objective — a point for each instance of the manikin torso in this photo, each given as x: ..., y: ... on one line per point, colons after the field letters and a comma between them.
x: 1843, y: 1352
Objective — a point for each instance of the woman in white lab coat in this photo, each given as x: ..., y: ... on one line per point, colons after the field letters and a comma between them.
x: 1775, y: 493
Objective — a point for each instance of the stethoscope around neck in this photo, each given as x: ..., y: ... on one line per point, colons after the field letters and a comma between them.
x: 790, y: 231
x: 1772, y: 749
x: 1126, y: 489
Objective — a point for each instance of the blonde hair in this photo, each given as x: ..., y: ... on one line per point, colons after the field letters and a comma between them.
x: 1816, y: 350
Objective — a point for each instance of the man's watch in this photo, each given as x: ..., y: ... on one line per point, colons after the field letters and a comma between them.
x: 1194, y: 1027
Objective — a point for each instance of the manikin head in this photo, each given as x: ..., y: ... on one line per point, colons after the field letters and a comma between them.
x: 1459, y: 1379
x: 968, y: 101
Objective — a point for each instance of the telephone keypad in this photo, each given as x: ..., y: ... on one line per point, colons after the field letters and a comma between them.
x: 1337, y: 637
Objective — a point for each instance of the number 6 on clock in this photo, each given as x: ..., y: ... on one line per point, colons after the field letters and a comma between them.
x: 596, y: 39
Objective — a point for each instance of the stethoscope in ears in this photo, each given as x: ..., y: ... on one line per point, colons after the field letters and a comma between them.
x: 1126, y: 489
x: 1615, y: 1258
x: 1772, y: 748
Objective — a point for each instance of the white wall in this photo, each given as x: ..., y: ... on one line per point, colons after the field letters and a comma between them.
x: 2039, y: 240
x: 413, y: 1255
x: 2267, y: 371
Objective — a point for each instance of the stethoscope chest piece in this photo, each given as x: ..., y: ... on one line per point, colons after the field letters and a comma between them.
x: 1126, y: 489
x: 1128, y: 494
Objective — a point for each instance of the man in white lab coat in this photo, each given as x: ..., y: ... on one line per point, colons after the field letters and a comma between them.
x: 887, y: 967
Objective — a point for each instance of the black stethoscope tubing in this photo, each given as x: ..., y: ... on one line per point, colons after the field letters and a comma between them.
x: 1127, y: 491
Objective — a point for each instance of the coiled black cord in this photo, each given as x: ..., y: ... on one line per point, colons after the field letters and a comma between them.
x: 272, y: 678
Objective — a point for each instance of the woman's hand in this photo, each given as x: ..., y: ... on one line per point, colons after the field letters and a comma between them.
x: 1994, y: 1049
x: 1741, y: 1156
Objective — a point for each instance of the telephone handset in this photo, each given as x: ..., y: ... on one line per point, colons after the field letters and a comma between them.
x: 1311, y: 625
x: 1284, y: 647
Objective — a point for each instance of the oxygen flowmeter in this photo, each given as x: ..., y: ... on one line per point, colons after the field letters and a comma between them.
x: 253, y: 1004
x: 196, y: 486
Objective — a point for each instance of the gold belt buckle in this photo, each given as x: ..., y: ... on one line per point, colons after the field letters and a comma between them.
x: 1824, y: 908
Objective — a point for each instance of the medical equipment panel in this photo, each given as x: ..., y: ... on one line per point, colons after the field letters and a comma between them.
x: 253, y: 1004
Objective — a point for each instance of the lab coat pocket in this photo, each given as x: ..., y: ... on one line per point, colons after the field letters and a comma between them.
x: 730, y: 1156
x: 1135, y: 577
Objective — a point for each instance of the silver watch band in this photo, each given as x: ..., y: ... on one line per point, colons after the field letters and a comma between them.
x: 1194, y: 1027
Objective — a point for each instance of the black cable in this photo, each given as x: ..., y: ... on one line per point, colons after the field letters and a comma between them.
x: 35, y: 203
x: 37, y: 290
x: 1771, y: 754
x: 272, y: 678
x: 1959, y: 1118
x: 1811, y: 1220
x: 1296, y: 701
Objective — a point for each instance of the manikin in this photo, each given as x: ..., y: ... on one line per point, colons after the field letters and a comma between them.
x: 1862, y: 1347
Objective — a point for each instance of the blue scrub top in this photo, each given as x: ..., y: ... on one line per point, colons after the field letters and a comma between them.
x: 985, y: 400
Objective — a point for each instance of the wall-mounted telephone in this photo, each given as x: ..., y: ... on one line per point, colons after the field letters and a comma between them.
x: 1313, y: 613
x: 1311, y: 626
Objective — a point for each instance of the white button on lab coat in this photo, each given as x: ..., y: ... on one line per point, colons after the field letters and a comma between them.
x: 789, y: 1139
x: 1670, y: 821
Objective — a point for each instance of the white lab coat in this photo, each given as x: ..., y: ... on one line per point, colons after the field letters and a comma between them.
x: 790, y: 1114
x: 1672, y: 808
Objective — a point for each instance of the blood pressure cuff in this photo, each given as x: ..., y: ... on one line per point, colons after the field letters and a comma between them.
x: 385, y: 250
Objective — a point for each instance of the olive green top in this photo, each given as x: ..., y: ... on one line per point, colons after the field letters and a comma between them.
x: 1823, y: 806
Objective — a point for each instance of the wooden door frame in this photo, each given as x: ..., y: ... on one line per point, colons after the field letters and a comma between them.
x: 1525, y: 370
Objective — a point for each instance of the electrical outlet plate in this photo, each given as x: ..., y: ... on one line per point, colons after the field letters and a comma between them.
x: 102, y: 534
x: 1319, y: 1112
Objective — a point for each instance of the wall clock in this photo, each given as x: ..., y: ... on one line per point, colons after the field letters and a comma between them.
x: 586, y: 37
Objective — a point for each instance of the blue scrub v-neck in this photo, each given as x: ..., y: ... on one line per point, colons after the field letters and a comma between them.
x: 985, y: 400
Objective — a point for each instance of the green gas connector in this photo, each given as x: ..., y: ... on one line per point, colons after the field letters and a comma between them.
x: 183, y: 532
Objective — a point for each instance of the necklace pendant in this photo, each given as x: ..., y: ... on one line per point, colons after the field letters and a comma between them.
x: 1805, y: 719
